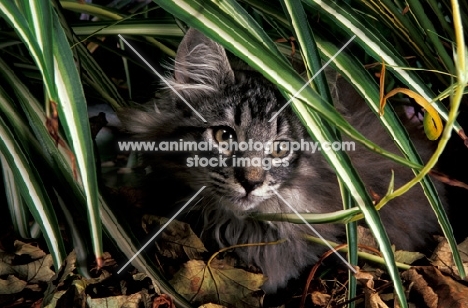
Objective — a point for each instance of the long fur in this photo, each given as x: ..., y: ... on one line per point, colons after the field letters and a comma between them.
x: 242, y: 100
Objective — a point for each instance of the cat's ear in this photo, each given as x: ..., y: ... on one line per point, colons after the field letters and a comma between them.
x: 201, y: 64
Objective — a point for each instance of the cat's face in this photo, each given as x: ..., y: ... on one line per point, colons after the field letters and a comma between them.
x: 250, y: 155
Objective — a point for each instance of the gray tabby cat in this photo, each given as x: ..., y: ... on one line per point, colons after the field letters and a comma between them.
x: 237, y: 104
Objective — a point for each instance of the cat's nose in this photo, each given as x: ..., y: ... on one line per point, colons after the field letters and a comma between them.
x: 250, y: 178
x: 249, y: 186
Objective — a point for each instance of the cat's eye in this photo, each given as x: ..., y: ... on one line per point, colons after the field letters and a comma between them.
x: 281, y: 149
x: 224, y: 134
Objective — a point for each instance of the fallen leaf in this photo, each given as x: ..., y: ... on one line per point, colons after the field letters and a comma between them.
x: 28, y: 249
x: 442, y: 257
x: 163, y: 300
x: 6, y: 257
x: 365, y: 237
x: 218, y: 283
x: 177, y: 239
x: 436, y: 289
x: 372, y: 298
x: 137, y: 300
x: 11, y: 285
x: 52, y: 293
x: 32, y: 272
x: 320, y: 299
x: 36, y: 271
x: 407, y: 257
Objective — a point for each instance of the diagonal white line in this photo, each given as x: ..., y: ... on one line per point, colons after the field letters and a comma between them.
x: 160, y: 76
x: 313, y: 77
x: 351, y: 268
x: 159, y: 231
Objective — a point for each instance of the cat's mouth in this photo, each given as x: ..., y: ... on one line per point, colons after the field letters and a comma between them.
x: 246, y: 202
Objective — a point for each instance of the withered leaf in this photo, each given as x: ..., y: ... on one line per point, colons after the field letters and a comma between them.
x: 372, y: 298
x: 219, y: 283
x: 66, y: 270
x: 33, y: 272
x: 365, y: 237
x: 177, y: 239
x: 136, y: 300
x: 436, y: 289
x: 28, y: 249
x: 320, y: 299
x: 407, y: 257
x: 12, y: 285
x: 443, y: 260
x: 163, y: 300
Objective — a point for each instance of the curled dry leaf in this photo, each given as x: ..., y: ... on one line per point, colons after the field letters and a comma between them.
x: 163, y: 300
x: 372, y: 298
x: 436, y: 289
x: 27, y: 249
x: 320, y: 299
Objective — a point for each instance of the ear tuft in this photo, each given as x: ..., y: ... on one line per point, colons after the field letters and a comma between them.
x: 201, y: 65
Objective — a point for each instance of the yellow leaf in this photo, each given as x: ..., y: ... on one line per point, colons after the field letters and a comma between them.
x: 432, y: 121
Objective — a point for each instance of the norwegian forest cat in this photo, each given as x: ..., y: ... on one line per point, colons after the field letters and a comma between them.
x: 237, y: 104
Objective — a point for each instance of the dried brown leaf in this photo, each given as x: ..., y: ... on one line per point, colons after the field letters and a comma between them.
x: 365, y: 237
x: 177, y: 239
x: 12, y: 285
x: 163, y: 300
x: 33, y: 272
x: 320, y: 299
x: 28, y: 249
x: 218, y: 283
x: 372, y: 298
x: 436, y: 289
x: 442, y: 257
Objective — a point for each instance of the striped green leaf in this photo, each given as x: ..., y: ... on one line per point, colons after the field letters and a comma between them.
x: 33, y: 192
x: 72, y: 110
x: 18, y: 210
x: 63, y: 86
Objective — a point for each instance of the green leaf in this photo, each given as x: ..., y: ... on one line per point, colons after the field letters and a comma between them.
x: 73, y: 113
x: 33, y: 192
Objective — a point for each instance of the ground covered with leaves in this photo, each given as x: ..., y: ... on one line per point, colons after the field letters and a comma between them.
x: 215, y: 279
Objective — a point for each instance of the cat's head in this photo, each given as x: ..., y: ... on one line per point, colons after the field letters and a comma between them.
x: 208, y: 102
